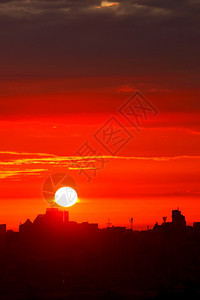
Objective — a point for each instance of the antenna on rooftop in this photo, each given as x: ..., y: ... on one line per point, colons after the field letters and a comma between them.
x: 164, y: 219
x: 109, y: 224
x: 131, y: 223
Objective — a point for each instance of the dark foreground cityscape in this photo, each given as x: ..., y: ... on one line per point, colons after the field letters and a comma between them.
x: 54, y: 258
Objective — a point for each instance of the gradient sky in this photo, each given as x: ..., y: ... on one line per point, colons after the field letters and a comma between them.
x: 66, y: 68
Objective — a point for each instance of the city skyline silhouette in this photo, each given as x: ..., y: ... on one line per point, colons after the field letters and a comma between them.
x: 55, y: 258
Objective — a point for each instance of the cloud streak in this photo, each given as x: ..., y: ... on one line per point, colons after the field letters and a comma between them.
x: 12, y: 165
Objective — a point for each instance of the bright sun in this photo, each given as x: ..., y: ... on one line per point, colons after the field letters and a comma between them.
x: 66, y: 196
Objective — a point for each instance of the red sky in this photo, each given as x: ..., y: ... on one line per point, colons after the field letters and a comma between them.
x: 66, y: 68
x: 157, y: 171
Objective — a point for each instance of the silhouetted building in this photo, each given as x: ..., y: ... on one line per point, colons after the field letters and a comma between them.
x: 178, y: 219
x: 53, y: 216
x: 156, y: 226
x: 89, y: 226
x: 178, y: 222
x: 26, y: 227
x: 2, y: 236
x: 2, y: 229
x: 196, y: 225
x: 56, y: 214
x: 116, y: 228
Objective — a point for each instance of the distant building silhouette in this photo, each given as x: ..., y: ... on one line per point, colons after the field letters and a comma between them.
x: 53, y: 216
x: 26, y: 227
x: 178, y: 222
x: 2, y: 229
x: 54, y: 220
x: 196, y: 225
x: 178, y: 219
